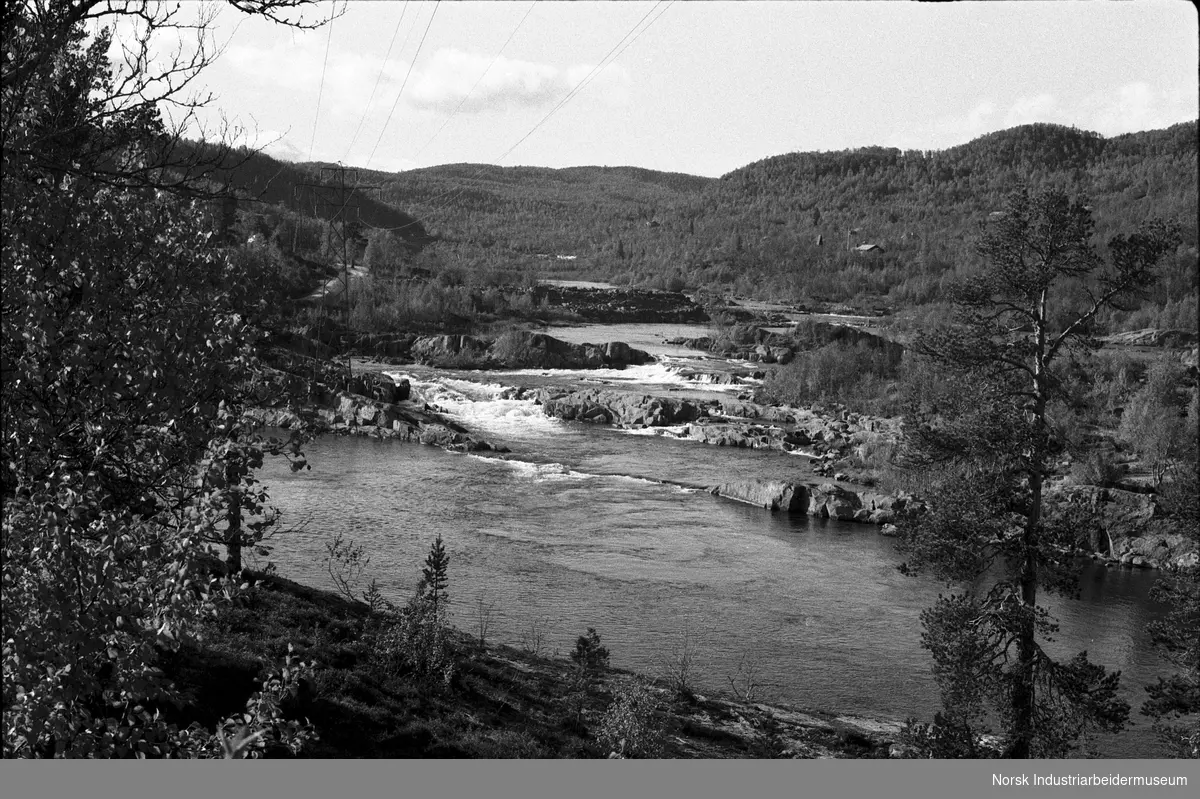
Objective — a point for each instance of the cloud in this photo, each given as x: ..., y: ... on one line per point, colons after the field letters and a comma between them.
x: 1037, y: 108
x: 948, y: 131
x: 1123, y: 109
x: 301, y: 72
x: 1134, y: 107
x: 452, y: 77
x: 437, y: 83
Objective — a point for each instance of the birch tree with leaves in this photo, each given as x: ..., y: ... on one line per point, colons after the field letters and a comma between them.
x: 127, y: 359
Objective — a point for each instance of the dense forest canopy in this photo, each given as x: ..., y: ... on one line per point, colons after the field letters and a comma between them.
x: 791, y: 227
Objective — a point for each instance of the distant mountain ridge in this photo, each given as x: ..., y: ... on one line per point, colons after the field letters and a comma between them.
x: 786, y: 224
x: 789, y: 225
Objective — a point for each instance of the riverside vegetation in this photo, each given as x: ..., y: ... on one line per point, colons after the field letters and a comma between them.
x: 153, y: 316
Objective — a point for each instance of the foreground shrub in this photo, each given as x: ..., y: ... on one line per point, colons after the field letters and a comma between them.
x: 417, y: 639
x: 628, y: 728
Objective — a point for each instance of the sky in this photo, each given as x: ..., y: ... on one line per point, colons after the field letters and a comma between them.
x: 696, y: 87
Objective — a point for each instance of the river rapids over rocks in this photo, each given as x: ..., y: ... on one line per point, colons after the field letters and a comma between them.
x: 564, y: 524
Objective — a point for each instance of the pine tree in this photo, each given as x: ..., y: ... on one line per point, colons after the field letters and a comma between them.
x: 434, y: 577
x: 989, y: 432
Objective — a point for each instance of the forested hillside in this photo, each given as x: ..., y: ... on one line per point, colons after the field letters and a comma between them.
x: 793, y: 227
x: 785, y: 226
x: 286, y: 201
x: 521, y: 212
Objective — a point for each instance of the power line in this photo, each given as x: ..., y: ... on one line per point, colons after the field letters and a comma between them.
x: 320, y: 91
x: 617, y: 49
x: 670, y: 3
x: 402, y: 85
x: 604, y: 62
x: 478, y: 80
x: 336, y: 197
x: 620, y: 47
x: 379, y: 78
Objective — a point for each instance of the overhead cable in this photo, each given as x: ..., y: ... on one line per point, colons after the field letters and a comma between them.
x: 402, y: 85
x: 320, y: 91
x: 478, y: 80
x: 604, y: 62
x: 379, y: 78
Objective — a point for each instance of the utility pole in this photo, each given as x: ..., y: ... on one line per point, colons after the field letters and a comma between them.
x: 338, y: 194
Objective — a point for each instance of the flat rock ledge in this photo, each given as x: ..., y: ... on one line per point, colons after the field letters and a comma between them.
x: 820, y: 500
x: 521, y: 349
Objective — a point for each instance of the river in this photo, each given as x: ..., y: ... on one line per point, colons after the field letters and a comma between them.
x: 585, y: 526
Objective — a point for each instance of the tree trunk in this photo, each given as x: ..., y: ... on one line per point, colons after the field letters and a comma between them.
x: 1024, y: 696
x: 233, y: 534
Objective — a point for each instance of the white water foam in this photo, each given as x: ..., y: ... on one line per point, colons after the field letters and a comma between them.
x: 558, y: 472
x: 483, y: 406
x: 674, y: 431
x: 664, y: 372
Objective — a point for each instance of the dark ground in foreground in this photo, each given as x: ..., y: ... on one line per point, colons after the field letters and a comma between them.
x: 502, y: 702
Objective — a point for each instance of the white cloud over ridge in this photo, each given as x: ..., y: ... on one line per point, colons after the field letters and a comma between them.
x: 437, y: 83
x: 1125, y: 109
x: 452, y: 77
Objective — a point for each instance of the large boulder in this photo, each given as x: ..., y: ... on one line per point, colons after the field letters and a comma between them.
x: 523, y: 349
x: 829, y: 500
x: 628, y: 409
x: 748, y: 436
x: 773, y: 495
x: 618, y: 353
x: 451, y: 350
x: 379, y: 386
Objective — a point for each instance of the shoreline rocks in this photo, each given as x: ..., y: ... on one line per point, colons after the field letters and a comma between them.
x: 717, y: 422
x: 820, y: 500
x: 1133, y: 530
x: 375, y: 405
x: 619, y: 408
x: 520, y: 349
x: 620, y: 304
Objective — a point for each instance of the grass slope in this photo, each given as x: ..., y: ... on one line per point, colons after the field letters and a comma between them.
x: 502, y: 703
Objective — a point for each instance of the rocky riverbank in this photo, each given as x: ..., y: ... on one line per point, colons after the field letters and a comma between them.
x: 520, y: 349
x: 824, y: 437
x: 1131, y: 529
x: 372, y: 404
x: 620, y: 304
x: 735, y: 423
x: 823, y: 501
x: 759, y: 345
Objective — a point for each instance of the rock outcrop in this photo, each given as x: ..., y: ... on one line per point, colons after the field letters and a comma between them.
x: 1132, y: 529
x: 618, y: 304
x: 375, y: 405
x: 515, y: 350
x: 772, y: 495
x: 726, y: 423
x: 622, y: 408
x: 758, y: 345
x: 526, y: 350
x: 823, y: 500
